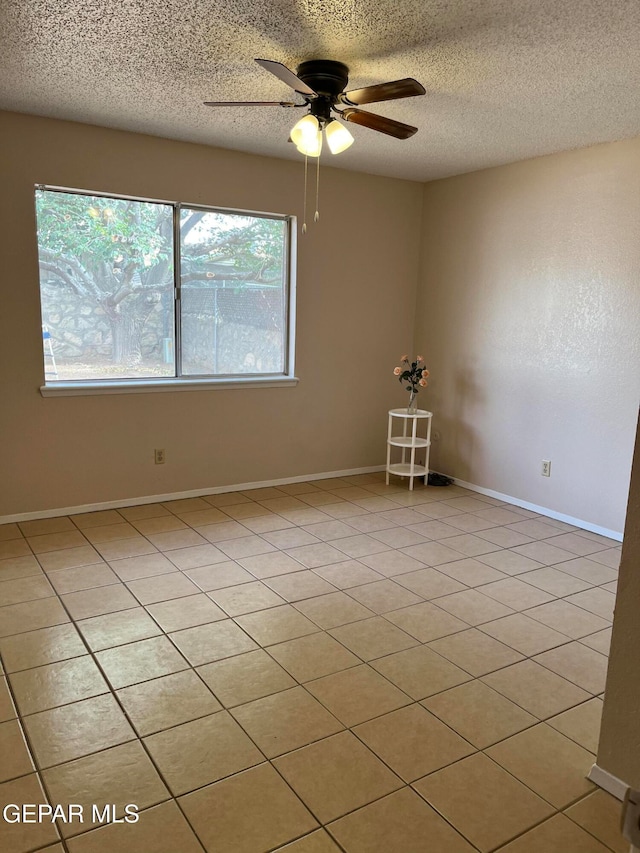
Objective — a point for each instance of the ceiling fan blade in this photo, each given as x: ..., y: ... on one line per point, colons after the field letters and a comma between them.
x: 375, y: 122
x: 406, y: 88
x: 282, y: 73
x: 249, y: 104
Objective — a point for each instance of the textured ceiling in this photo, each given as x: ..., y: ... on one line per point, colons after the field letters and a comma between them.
x: 505, y: 79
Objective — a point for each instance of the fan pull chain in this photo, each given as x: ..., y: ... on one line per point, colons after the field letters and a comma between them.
x: 304, y: 202
x: 316, y: 215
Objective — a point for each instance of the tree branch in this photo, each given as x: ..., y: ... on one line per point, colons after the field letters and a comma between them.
x: 53, y: 268
x: 84, y: 283
x: 191, y: 222
x: 128, y: 287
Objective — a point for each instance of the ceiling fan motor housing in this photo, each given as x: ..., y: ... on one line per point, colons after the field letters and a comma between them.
x: 325, y: 76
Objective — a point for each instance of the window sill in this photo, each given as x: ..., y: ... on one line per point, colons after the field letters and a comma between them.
x: 146, y: 386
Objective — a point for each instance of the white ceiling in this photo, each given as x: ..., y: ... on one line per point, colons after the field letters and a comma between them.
x: 505, y: 79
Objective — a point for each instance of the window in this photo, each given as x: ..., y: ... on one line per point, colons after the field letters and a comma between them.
x: 147, y: 292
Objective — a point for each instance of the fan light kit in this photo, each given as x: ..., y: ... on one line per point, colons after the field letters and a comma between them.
x: 321, y: 83
x: 307, y: 136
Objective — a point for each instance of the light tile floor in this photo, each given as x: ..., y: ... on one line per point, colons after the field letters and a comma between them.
x: 327, y: 666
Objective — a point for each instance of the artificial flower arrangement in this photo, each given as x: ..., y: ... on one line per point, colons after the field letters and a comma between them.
x: 415, y: 374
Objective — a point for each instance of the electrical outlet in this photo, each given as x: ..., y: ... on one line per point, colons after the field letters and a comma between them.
x: 160, y: 457
x: 546, y: 468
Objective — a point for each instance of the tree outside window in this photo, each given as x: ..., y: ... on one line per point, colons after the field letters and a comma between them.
x: 113, y: 307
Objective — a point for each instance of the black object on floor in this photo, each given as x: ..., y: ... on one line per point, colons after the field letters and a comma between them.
x: 439, y: 480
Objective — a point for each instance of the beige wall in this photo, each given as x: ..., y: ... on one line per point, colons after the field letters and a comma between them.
x: 619, y: 749
x: 357, y: 276
x: 528, y: 313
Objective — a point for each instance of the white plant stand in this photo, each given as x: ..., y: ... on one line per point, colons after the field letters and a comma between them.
x: 408, y: 442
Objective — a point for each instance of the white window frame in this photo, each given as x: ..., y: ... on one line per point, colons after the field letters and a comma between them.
x: 139, y: 385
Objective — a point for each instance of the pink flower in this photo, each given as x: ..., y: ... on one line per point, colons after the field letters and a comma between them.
x: 423, y: 383
x: 405, y: 359
x: 425, y: 373
x: 419, y: 359
x: 397, y: 371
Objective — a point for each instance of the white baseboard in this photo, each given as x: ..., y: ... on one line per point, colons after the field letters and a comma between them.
x: 238, y: 487
x: 608, y: 782
x: 192, y: 493
x: 541, y: 510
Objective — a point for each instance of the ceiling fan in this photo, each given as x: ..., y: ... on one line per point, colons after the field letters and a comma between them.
x: 321, y: 83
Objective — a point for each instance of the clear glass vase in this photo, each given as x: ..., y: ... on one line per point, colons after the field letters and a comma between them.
x: 412, y: 407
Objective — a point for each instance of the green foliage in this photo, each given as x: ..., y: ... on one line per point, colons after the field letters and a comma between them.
x: 107, y: 249
x: 119, y: 254
x: 231, y: 247
x: 93, y: 230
